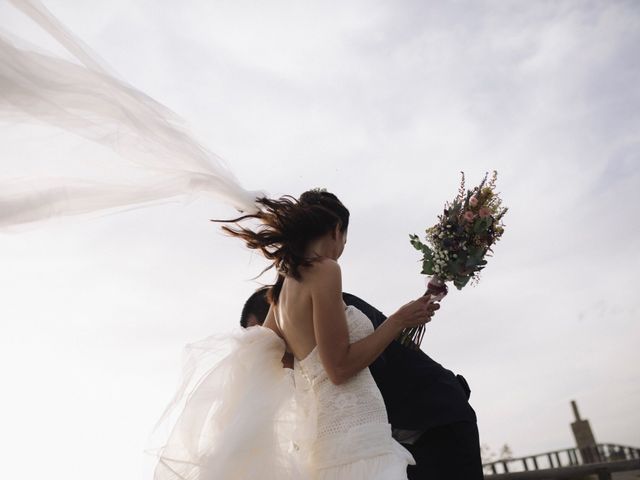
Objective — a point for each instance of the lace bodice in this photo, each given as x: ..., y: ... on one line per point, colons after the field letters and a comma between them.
x: 355, y: 402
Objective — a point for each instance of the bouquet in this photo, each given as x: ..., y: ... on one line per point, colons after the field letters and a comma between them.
x: 456, y: 246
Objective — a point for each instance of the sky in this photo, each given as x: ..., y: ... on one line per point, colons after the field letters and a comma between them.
x: 383, y: 104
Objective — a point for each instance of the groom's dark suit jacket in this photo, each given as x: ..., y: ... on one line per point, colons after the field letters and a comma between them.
x: 418, y: 392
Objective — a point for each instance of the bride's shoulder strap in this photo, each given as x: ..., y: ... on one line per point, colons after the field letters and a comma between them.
x: 272, y: 322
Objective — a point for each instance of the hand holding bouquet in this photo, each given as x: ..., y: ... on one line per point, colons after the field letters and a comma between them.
x: 456, y: 246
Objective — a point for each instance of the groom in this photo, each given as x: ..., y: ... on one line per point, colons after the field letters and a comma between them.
x: 427, y: 404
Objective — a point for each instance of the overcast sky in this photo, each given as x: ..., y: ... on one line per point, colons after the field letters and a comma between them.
x: 382, y: 103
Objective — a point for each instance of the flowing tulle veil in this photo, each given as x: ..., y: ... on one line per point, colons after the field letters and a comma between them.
x: 158, y: 159
x: 236, y: 413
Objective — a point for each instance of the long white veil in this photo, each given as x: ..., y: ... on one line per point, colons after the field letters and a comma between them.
x: 157, y: 160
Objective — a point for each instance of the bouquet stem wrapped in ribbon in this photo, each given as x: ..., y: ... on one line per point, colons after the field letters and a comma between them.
x: 456, y: 246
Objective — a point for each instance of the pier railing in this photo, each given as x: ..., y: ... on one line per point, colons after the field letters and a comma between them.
x: 602, y: 460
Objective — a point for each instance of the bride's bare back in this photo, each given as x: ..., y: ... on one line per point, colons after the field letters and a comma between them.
x: 294, y: 314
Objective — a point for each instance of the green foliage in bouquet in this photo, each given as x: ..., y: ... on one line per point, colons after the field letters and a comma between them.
x: 457, y: 245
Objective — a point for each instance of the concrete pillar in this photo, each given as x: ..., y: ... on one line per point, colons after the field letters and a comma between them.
x: 585, y: 441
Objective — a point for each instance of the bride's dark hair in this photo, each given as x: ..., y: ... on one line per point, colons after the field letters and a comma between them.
x: 287, y: 227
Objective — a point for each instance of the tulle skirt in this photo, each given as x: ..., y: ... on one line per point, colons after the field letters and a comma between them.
x: 234, y: 414
x: 238, y: 415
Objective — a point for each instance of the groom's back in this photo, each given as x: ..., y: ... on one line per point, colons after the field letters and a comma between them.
x: 419, y: 393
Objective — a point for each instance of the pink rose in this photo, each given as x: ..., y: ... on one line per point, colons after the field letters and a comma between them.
x: 473, y: 201
x: 484, y: 212
x: 468, y: 216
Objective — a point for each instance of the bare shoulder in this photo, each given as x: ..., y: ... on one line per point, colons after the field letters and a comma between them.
x: 270, y: 322
x: 325, y: 270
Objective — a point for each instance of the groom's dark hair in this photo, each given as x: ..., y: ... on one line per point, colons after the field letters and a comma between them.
x: 256, y: 305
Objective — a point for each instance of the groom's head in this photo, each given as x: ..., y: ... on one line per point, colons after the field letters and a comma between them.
x: 255, y: 308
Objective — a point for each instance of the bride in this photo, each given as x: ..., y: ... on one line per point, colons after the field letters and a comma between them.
x: 346, y: 434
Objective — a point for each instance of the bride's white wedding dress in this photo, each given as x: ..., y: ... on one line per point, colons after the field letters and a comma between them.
x: 240, y: 415
x: 353, y: 438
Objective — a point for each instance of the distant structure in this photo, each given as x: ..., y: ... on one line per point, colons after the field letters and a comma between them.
x: 586, y: 458
x: 585, y: 441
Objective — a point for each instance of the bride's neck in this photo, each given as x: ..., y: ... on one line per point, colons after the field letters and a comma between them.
x: 322, y: 247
